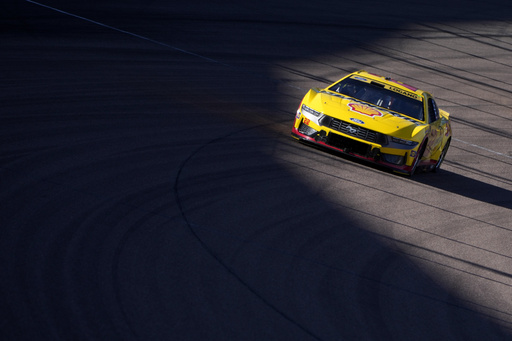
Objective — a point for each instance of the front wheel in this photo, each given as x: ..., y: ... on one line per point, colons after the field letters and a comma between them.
x: 441, y: 157
x: 421, y: 150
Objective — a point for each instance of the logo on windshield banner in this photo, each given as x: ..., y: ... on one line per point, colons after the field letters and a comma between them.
x: 364, y: 109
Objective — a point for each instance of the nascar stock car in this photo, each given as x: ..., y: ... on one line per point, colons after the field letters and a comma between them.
x: 377, y: 119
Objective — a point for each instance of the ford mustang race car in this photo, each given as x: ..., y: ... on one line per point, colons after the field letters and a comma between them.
x: 377, y: 119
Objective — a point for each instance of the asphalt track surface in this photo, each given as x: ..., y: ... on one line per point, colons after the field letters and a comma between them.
x: 150, y: 189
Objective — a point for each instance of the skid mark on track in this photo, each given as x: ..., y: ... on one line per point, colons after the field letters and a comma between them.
x: 192, y: 227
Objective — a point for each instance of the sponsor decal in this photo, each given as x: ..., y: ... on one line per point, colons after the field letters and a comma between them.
x: 360, y: 79
x: 405, y: 93
x: 413, y: 153
x: 356, y: 120
x: 412, y: 88
x: 298, y: 114
x: 364, y: 109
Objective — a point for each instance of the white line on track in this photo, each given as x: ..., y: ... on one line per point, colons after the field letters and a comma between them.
x: 483, y: 148
x: 127, y: 32
x: 205, y: 58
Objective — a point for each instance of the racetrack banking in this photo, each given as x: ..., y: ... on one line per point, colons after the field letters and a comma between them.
x: 224, y: 64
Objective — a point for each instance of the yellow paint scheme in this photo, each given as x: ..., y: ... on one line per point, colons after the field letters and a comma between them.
x: 359, y: 114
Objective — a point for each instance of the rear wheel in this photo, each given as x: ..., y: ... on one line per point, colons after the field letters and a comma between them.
x: 442, y: 156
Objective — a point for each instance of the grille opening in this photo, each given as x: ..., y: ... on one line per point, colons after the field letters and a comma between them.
x: 348, y: 145
x: 306, y: 130
x: 356, y: 131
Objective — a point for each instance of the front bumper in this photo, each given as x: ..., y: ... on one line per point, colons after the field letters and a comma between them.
x: 399, y: 160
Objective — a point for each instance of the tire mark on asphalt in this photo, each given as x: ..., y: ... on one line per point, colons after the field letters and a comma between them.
x: 217, y: 231
x: 211, y: 252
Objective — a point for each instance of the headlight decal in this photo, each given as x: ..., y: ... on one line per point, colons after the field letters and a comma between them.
x: 311, y: 111
x: 404, y: 142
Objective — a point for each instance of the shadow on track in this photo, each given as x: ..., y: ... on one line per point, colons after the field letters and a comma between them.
x: 112, y: 177
x: 467, y: 187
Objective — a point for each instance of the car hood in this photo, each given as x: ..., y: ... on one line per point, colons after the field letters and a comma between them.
x: 365, y: 114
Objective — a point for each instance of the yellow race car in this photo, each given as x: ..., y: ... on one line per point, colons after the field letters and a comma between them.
x: 377, y: 119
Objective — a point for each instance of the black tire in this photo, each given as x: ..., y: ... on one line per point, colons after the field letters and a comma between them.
x: 442, y: 156
x: 418, y: 157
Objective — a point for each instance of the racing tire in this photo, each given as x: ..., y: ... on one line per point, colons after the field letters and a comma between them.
x: 442, y: 156
x: 418, y: 157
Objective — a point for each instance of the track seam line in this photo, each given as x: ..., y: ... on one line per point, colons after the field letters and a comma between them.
x: 129, y: 33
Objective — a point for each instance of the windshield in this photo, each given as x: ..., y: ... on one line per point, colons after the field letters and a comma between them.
x: 376, y: 94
